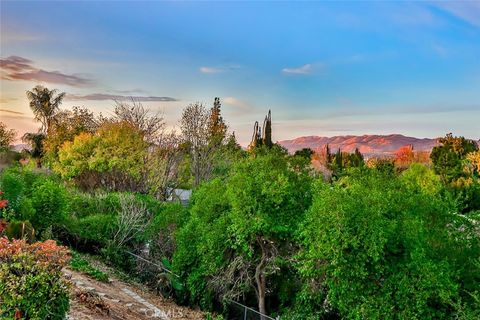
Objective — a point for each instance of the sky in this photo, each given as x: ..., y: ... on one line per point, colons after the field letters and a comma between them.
x: 323, y: 68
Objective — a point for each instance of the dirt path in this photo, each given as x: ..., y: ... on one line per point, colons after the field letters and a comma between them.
x: 95, y: 300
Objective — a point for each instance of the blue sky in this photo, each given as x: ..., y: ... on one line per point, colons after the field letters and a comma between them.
x: 324, y: 68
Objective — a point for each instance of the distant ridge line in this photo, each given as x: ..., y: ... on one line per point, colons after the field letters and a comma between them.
x: 367, y: 144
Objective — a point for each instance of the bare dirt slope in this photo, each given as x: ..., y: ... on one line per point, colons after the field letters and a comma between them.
x: 95, y: 300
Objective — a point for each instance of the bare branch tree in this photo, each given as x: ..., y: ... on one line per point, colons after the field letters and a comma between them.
x: 132, y: 219
x: 195, y: 131
x: 150, y: 125
x: 162, y: 167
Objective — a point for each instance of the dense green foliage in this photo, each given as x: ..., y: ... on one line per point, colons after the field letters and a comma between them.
x: 447, y: 158
x: 240, y: 228
x: 375, y: 245
x: 49, y: 200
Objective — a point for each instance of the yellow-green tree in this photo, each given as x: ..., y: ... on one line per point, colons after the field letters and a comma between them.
x: 64, y: 126
x: 111, y: 158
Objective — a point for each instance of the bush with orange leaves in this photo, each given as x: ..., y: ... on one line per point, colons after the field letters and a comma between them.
x: 31, y: 280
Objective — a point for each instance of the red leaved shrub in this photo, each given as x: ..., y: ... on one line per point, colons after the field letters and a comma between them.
x: 31, y: 280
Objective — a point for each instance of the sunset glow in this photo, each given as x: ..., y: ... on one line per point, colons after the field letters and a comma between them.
x: 324, y: 68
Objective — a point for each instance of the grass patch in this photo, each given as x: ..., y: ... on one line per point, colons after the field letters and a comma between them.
x: 77, y: 263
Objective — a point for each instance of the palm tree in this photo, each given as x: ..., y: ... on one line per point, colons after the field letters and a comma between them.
x: 44, y: 104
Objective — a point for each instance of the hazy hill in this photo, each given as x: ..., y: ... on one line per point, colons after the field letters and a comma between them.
x: 20, y: 147
x: 367, y: 144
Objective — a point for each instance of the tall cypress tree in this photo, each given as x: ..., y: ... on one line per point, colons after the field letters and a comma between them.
x: 217, y: 129
x: 358, y: 158
x: 338, y: 162
x: 256, y: 137
x: 262, y: 136
x: 267, y: 130
x: 328, y: 156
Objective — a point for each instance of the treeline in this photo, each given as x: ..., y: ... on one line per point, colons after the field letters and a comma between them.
x: 376, y: 239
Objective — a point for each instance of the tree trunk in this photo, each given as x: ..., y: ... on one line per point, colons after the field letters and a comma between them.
x: 260, y: 279
x: 261, y: 298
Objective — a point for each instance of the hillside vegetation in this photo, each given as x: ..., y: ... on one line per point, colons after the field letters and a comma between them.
x: 387, y: 238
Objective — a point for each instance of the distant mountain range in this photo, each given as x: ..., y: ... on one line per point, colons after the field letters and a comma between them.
x: 20, y: 147
x: 370, y: 145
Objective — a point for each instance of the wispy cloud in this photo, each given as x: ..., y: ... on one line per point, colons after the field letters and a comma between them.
x: 468, y: 11
x: 18, y: 36
x: 7, y: 100
x: 19, y: 68
x: 241, y: 107
x: 305, y: 69
x: 129, y: 92
x: 107, y: 96
x: 218, y: 69
x: 11, y: 111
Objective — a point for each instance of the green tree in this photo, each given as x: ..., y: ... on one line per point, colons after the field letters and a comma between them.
x: 44, y: 104
x: 262, y: 136
x: 448, y: 157
x: 377, y: 249
x: 217, y: 129
x: 305, y: 153
x: 7, y: 136
x: 267, y: 130
x: 419, y: 176
x: 35, y: 140
x: 356, y: 159
x: 256, y: 138
x: 241, y: 230
x: 473, y: 159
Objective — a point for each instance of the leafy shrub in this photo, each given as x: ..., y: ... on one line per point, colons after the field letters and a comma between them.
x: 108, y: 203
x: 50, y: 203
x: 31, y: 283
x: 26, y: 210
x: 31, y: 178
x: 419, y: 176
x: 467, y: 193
x: 79, y: 264
x: 159, y: 237
x: 82, y: 204
x: 91, y: 233
x: 18, y: 187
x: 20, y: 230
x: 160, y: 232
x: 13, y: 187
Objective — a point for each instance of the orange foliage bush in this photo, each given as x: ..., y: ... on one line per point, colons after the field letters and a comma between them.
x: 47, y: 253
x: 31, y: 280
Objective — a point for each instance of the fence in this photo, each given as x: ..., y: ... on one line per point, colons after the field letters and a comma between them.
x: 238, y: 312
x: 242, y: 312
